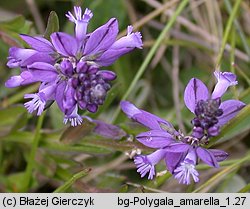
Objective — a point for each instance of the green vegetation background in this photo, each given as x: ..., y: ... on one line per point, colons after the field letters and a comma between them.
x: 41, y: 154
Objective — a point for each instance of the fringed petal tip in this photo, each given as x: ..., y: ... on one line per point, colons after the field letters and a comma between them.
x: 88, y: 14
x: 144, y: 167
x: 74, y: 121
x: 184, y: 172
x: 224, y: 80
x: 136, y: 37
x: 38, y: 103
x: 74, y: 118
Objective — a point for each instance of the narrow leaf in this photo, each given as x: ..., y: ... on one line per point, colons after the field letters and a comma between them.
x: 52, y: 25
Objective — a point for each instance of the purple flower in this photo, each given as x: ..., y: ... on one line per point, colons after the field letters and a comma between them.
x: 181, y: 153
x: 81, y: 21
x: 186, y: 168
x: 68, y: 67
x: 146, y: 163
x: 210, y: 112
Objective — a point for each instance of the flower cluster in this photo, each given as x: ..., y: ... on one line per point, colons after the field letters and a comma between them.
x: 182, y: 153
x: 68, y: 67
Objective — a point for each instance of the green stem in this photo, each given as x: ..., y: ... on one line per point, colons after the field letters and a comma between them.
x: 219, y: 176
x: 232, y: 60
x: 31, y: 159
x: 151, y: 54
x: 227, y: 32
x: 72, y: 180
x: 238, y: 28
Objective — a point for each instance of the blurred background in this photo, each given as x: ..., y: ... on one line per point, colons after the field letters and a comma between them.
x: 190, y: 49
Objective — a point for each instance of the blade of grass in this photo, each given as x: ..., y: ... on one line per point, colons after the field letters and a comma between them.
x: 72, y: 180
x: 227, y: 32
x: 245, y: 189
x: 232, y: 59
x: 150, y: 55
x: 31, y: 160
x: 238, y: 28
x: 216, y: 178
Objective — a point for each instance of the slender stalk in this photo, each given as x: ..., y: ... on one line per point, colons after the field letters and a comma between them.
x: 31, y: 160
x: 72, y: 180
x: 232, y: 59
x: 227, y: 32
x: 151, y: 54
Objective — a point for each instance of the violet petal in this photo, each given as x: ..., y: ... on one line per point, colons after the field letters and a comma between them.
x: 43, y: 72
x: 219, y: 155
x: 129, y: 109
x: 102, y: 38
x: 207, y: 157
x: 230, y: 109
x: 38, y: 43
x: 155, y: 138
x: 178, y: 147
x: 111, y: 55
x: 107, y: 75
x: 108, y: 130
x: 195, y: 91
x: 69, y: 101
x: 24, y: 78
x: 38, y: 57
x: 18, y: 55
x: 60, y: 94
x: 92, y: 108
x: 224, y: 80
x: 64, y: 43
x: 172, y: 159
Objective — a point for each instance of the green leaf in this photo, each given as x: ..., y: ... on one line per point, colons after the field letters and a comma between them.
x: 52, y: 25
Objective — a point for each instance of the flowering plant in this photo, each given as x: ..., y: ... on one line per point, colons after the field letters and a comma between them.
x: 68, y: 67
x: 182, y: 153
